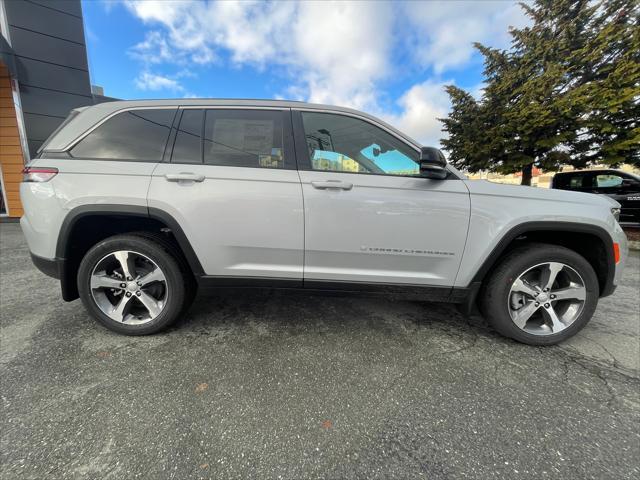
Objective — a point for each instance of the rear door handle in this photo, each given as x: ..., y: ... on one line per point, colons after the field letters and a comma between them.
x: 330, y: 184
x: 184, y: 177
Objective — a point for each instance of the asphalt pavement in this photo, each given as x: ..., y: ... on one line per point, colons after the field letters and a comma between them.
x: 280, y: 385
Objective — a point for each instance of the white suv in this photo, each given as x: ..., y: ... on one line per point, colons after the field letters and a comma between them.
x: 134, y: 205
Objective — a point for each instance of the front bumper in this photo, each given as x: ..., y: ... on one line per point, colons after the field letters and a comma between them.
x: 623, y: 243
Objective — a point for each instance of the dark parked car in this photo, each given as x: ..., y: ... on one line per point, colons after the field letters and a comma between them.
x: 623, y: 187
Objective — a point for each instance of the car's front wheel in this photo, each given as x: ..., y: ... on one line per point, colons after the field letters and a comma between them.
x: 131, y: 284
x: 540, y: 294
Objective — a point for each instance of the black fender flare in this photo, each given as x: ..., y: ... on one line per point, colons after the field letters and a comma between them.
x: 570, y: 227
x: 67, y: 279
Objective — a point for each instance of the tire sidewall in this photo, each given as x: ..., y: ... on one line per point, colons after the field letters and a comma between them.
x: 168, y: 265
x: 515, y: 265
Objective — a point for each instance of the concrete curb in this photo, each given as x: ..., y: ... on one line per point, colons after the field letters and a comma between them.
x: 634, y: 245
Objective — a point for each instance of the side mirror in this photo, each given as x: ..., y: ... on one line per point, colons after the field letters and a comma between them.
x: 433, y: 164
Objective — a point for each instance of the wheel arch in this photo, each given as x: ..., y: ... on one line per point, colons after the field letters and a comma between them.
x: 86, y: 225
x: 598, y: 251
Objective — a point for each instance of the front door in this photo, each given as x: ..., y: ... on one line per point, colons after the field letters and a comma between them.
x: 369, y: 216
x: 231, y: 184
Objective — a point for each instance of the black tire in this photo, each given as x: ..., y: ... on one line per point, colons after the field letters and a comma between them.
x: 160, y: 253
x: 190, y: 284
x: 494, y: 296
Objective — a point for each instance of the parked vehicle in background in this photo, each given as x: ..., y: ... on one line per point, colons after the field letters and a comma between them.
x: 623, y: 187
x: 134, y: 205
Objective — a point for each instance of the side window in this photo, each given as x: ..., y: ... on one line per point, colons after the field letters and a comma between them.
x: 339, y: 143
x: 187, y: 147
x: 139, y: 135
x: 608, y: 180
x: 578, y: 182
x: 243, y: 138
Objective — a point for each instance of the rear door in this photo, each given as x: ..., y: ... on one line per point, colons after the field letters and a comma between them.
x: 369, y: 217
x: 230, y: 182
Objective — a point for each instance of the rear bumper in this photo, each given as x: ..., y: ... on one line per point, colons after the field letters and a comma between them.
x: 48, y: 266
x: 57, y: 268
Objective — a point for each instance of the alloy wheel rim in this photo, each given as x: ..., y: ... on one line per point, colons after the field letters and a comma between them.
x: 129, y: 287
x: 546, y: 298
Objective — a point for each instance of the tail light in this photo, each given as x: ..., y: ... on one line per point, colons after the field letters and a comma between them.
x: 38, y: 174
x: 616, y: 252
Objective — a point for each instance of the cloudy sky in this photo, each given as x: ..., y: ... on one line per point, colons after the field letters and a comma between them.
x: 389, y: 59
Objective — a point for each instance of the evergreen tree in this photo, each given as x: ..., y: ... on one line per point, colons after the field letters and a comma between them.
x: 566, y: 92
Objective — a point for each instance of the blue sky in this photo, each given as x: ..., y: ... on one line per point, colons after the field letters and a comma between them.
x: 391, y: 60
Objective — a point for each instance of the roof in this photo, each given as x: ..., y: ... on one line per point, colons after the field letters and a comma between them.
x: 88, y: 117
x: 595, y: 170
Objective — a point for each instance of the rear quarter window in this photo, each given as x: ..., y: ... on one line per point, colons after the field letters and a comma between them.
x: 138, y: 135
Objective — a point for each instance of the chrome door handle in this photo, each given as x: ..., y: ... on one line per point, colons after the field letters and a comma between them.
x: 330, y: 184
x: 184, y: 177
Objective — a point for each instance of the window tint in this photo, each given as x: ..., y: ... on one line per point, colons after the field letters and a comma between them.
x: 581, y: 181
x: 133, y: 135
x: 188, y: 145
x: 608, y: 180
x: 243, y: 138
x: 344, y: 144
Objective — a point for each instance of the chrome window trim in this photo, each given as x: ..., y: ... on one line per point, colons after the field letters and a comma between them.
x: 73, y: 143
x: 229, y: 107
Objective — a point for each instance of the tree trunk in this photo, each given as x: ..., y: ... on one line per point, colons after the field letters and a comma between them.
x: 527, y: 173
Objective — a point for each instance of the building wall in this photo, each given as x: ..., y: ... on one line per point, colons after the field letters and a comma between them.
x: 45, y: 46
x: 11, y: 157
x: 47, y: 38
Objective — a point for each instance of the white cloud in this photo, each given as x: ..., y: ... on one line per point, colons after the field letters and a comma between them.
x: 333, y: 58
x: 331, y: 52
x: 421, y: 106
x: 185, y: 22
x: 154, y: 49
x: 342, y: 50
x: 151, y: 81
x: 443, y: 32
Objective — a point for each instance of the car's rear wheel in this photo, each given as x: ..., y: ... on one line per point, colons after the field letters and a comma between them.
x: 132, y: 285
x: 540, y: 294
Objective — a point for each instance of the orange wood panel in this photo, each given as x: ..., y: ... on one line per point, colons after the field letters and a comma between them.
x: 8, y: 132
x: 11, y: 167
x: 11, y: 150
x: 10, y: 140
x: 13, y: 160
x: 8, y: 122
x: 12, y: 197
x: 9, y: 176
x: 11, y: 157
